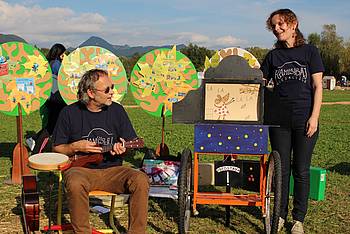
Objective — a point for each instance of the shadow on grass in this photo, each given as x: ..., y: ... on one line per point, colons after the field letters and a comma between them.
x: 47, y: 181
x: 168, y: 207
x: 6, y: 149
x: 342, y: 168
x: 217, y: 213
x: 18, y: 211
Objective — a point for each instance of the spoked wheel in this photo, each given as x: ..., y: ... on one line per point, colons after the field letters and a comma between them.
x: 273, y: 193
x: 184, y: 191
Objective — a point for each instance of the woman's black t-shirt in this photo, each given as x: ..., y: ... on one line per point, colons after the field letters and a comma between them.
x: 291, y: 70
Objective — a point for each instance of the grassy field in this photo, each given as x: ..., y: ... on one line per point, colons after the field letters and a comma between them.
x: 332, y: 153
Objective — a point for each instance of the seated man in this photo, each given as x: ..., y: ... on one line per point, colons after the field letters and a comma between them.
x: 84, y: 127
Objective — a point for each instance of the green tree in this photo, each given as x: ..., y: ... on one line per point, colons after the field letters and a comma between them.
x: 314, y: 39
x: 345, y: 60
x: 331, y: 47
x: 197, y: 55
x: 129, y: 63
x: 259, y: 53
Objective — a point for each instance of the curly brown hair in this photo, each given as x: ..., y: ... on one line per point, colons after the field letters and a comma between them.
x: 289, y: 17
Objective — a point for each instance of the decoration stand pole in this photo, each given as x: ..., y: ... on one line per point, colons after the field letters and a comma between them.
x: 20, y: 154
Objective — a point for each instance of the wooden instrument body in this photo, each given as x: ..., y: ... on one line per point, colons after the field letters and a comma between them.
x: 30, y: 203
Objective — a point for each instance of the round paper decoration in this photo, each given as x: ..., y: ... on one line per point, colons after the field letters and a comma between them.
x: 86, y: 58
x: 223, y: 53
x: 162, y: 77
x: 25, y: 78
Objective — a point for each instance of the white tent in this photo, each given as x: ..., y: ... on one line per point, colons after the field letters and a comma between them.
x: 328, y: 82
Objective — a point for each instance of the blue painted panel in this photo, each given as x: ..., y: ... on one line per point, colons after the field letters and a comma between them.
x: 231, y: 138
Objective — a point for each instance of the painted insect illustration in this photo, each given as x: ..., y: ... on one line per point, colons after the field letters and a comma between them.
x: 221, y: 103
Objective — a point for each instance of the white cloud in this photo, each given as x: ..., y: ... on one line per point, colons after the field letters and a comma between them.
x: 229, y: 41
x: 191, y: 37
x: 199, y: 39
x: 40, y: 25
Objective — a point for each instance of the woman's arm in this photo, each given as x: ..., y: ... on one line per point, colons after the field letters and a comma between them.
x: 312, y: 123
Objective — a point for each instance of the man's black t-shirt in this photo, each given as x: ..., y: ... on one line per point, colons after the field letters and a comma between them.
x: 291, y: 70
x: 76, y: 122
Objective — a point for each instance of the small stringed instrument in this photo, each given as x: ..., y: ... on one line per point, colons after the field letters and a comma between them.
x: 30, y: 203
x: 87, y: 159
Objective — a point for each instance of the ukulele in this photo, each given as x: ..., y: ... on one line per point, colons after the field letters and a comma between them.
x: 96, y: 158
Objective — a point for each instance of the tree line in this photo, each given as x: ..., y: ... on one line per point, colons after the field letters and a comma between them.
x: 334, y: 50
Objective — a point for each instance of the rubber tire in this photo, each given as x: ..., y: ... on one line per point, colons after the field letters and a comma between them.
x: 184, y: 191
x: 273, y: 185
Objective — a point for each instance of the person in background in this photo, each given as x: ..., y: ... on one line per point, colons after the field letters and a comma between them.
x: 296, y: 70
x: 86, y: 127
x: 53, y: 105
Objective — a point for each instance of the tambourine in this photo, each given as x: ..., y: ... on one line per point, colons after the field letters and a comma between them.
x: 48, y: 161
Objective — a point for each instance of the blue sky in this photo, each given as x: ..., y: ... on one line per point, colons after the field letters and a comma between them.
x: 214, y: 24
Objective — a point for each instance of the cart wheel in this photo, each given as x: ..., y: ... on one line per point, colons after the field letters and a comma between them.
x: 184, y: 191
x: 273, y: 193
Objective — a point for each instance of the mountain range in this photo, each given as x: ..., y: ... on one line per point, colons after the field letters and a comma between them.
x: 119, y: 50
x: 10, y: 37
x: 122, y: 50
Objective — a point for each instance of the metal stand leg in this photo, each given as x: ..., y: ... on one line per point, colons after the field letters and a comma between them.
x: 50, y: 191
x: 228, y: 190
x: 59, y: 200
x: 111, y: 215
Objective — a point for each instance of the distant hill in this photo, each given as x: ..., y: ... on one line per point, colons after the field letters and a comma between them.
x: 123, y: 50
x: 10, y: 37
x: 97, y: 41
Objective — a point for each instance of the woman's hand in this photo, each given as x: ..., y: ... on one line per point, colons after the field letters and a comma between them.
x: 311, y: 126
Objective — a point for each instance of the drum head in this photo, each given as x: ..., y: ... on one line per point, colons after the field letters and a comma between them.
x: 47, y: 161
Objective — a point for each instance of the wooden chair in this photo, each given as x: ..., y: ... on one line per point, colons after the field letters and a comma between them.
x: 111, y: 211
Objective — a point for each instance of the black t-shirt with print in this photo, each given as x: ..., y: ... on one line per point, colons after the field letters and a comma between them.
x: 291, y: 70
x: 76, y: 122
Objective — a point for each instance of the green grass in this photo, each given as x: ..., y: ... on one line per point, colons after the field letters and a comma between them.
x: 331, y: 152
x: 336, y: 95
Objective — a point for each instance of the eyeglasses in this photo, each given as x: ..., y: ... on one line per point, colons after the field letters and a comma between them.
x: 107, y: 90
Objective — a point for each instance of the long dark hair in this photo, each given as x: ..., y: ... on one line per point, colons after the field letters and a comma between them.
x: 289, y: 17
x: 55, y: 52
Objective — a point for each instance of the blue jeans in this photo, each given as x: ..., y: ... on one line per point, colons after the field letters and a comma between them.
x: 287, y: 140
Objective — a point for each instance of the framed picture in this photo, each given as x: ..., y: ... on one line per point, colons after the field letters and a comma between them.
x: 232, y: 101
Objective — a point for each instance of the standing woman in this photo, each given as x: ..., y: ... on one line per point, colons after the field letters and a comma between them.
x: 296, y: 70
x: 55, y: 103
